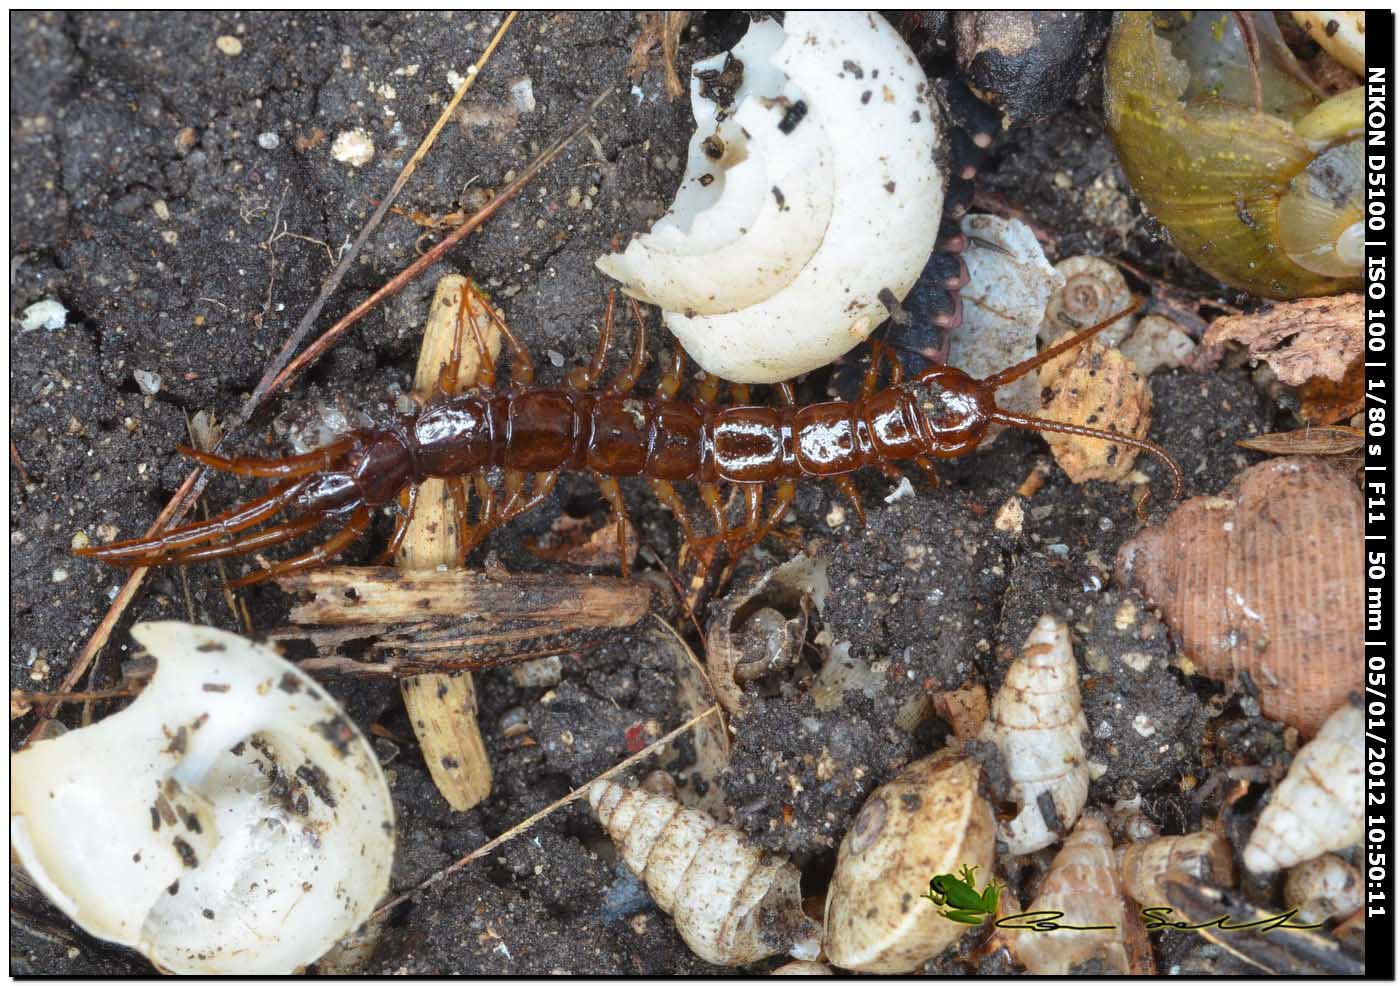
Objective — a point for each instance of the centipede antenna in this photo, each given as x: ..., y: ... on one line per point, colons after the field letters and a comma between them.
x: 1046, y: 355
x: 1041, y: 424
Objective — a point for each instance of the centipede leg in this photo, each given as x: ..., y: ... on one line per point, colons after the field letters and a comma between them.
x: 408, y: 504
x: 613, y: 494
x: 844, y: 484
x: 522, y: 366
x: 786, y: 493
x: 338, y: 542
x: 486, y: 364
x: 672, y: 376
x: 139, y: 551
x: 871, y: 382
x: 670, y: 499
x: 289, y: 467
x: 926, y: 464
x: 707, y: 388
x: 265, y: 538
x: 467, y: 537
x: 627, y: 378
x: 709, y: 495
x: 584, y: 377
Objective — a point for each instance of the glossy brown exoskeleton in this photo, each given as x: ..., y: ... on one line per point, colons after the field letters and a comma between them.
x: 531, y: 431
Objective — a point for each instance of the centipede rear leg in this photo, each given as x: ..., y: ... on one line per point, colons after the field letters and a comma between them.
x: 354, y: 528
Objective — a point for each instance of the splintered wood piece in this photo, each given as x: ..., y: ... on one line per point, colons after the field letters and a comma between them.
x: 442, y: 707
x: 468, y: 603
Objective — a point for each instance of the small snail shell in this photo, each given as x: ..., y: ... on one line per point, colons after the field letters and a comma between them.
x: 230, y: 820
x: 928, y: 820
x: 1266, y: 577
x: 761, y: 627
x: 1318, y: 806
x: 1094, y: 290
x: 1230, y: 183
x: 1202, y: 855
x: 732, y: 903
x: 810, y: 203
x: 1323, y: 888
x: 1083, y: 883
x: 1038, y: 724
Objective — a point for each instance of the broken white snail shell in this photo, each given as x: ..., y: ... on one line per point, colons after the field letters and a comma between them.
x: 231, y: 819
x: 810, y: 202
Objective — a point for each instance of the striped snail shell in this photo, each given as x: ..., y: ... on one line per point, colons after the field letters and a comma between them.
x: 733, y: 903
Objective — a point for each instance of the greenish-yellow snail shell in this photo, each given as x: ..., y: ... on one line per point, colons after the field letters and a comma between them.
x: 1267, y: 200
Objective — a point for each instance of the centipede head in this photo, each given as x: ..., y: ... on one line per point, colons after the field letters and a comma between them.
x: 957, y: 409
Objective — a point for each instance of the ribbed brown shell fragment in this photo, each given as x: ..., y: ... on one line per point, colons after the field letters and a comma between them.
x: 1265, y: 578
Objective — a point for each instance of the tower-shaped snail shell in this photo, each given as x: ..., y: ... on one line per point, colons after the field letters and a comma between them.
x: 1082, y: 882
x: 733, y: 903
x: 1266, y: 197
x: 1319, y: 805
x: 1037, y: 722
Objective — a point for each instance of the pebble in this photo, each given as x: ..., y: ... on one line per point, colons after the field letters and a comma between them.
x: 47, y: 314
x: 148, y: 382
x: 556, y: 358
x: 269, y: 141
x: 60, y: 575
x: 229, y: 45
x: 353, y: 147
x: 522, y: 91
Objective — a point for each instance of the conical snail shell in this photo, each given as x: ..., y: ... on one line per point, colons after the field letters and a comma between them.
x: 927, y: 821
x: 1038, y: 724
x: 1203, y: 855
x: 1265, y: 578
x: 1083, y: 883
x: 1319, y: 805
x: 732, y: 903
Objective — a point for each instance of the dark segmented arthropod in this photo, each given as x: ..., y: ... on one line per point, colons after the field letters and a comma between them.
x: 527, y: 431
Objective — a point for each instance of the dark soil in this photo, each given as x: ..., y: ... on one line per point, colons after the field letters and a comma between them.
x: 183, y: 204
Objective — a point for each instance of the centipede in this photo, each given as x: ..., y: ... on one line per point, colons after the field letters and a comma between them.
x: 526, y: 435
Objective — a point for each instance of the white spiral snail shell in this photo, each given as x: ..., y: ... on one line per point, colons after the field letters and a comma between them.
x: 810, y: 203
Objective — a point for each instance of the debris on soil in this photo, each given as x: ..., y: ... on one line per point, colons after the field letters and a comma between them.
x: 1310, y: 337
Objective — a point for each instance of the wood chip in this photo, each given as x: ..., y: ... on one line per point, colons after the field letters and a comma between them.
x: 1311, y: 337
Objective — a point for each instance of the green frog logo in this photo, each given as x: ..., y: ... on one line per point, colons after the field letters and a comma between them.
x: 957, y: 899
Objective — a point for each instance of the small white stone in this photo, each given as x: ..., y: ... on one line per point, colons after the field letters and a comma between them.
x: 1143, y: 725
x: 1138, y: 660
x: 1011, y: 518
x: 60, y: 575
x: 269, y: 141
x: 904, y: 489
x: 229, y: 45
x: 556, y: 358
x: 148, y: 382
x: 522, y: 91
x: 48, y: 314
x: 353, y: 147
x: 836, y: 516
